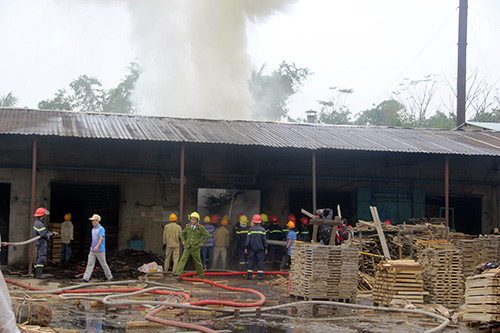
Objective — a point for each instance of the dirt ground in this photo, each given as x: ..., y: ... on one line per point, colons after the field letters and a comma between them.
x: 92, y: 316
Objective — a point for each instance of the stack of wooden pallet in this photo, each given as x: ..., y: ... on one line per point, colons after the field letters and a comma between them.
x: 443, y: 276
x: 55, y: 244
x: 479, y: 251
x: 490, y: 248
x: 482, y: 297
x: 471, y: 256
x: 398, y: 279
x: 324, y: 272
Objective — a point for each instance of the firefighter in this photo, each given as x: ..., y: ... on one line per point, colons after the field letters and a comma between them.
x: 191, y: 238
x: 241, y: 233
x: 343, y: 232
x: 41, y: 244
x: 325, y: 231
x: 172, y: 242
x: 275, y: 233
x: 256, y: 247
x: 304, y: 231
x: 290, y: 241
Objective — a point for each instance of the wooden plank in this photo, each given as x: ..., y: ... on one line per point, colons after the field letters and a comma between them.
x: 380, y: 232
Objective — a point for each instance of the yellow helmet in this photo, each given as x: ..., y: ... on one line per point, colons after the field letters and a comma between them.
x: 243, y: 219
x: 194, y: 214
x: 225, y: 220
x: 67, y: 217
x: 264, y: 218
x: 172, y: 217
x: 290, y: 225
x: 206, y: 219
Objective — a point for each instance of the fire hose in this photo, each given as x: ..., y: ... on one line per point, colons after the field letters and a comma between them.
x: 197, y: 304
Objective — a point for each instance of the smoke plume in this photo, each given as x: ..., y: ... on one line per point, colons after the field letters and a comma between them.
x: 194, y: 55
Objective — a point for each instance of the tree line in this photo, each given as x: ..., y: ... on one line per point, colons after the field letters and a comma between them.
x: 414, y: 104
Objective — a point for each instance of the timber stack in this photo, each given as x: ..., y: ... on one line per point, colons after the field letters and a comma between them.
x: 443, y: 275
x: 324, y: 272
x: 398, y: 279
x: 482, y: 297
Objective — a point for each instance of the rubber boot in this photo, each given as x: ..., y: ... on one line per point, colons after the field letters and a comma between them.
x: 248, y: 276
x: 39, y: 273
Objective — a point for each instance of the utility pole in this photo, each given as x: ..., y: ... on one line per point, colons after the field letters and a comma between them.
x: 462, y: 62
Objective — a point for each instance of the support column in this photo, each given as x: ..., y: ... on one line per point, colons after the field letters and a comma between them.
x: 181, y: 189
x: 315, y: 226
x: 32, y: 203
x: 447, y: 197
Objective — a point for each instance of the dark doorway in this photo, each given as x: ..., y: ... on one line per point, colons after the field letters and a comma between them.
x: 4, y: 220
x: 465, y: 213
x: 82, y: 201
x: 324, y: 199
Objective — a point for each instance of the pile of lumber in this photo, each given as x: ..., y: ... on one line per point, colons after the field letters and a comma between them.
x: 443, y: 275
x: 398, y: 279
x: 324, y: 272
x: 479, y: 251
x: 482, y: 297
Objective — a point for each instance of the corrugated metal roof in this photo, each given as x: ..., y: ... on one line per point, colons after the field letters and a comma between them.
x: 240, y: 132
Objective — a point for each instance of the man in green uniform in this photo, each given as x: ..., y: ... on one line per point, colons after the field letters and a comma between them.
x: 191, y: 238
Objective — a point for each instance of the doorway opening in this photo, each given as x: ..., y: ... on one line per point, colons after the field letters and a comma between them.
x: 4, y: 220
x: 82, y: 201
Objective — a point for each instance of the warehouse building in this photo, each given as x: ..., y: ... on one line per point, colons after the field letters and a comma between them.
x: 136, y: 170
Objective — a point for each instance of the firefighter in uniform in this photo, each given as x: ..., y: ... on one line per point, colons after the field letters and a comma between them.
x: 305, y: 230
x: 41, y: 244
x: 241, y: 232
x: 275, y: 232
x: 256, y: 247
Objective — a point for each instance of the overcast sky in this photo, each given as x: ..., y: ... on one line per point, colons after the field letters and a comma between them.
x: 366, y: 45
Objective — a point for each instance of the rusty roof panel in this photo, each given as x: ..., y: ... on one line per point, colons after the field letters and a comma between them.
x: 241, y: 132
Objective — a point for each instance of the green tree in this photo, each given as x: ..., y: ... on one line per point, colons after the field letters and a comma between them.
x: 387, y: 113
x: 488, y: 117
x: 335, y: 110
x: 441, y: 120
x: 271, y: 93
x: 118, y: 99
x: 8, y: 100
x: 61, y: 101
x: 87, y: 95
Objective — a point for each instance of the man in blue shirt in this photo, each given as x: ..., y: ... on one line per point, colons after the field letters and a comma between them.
x: 291, y: 237
x: 97, y: 250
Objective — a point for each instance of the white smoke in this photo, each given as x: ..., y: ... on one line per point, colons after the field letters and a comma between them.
x: 194, y: 55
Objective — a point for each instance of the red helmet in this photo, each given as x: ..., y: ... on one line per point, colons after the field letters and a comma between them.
x: 215, y: 219
x: 304, y: 220
x: 273, y: 218
x: 256, y: 218
x: 292, y: 218
x: 40, y: 212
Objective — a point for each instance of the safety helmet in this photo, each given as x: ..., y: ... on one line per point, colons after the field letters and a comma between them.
x: 304, y: 220
x: 256, y: 218
x: 273, y: 218
x: 243, y: 219
x: 290, y: 225
x: 67, y: 217
x: 39, y: 212
x: 215, y: 218
x: 292, y: 218
x: 225, y: 220
x: 206, y: 219
x: 172, y: 217
x: 264, y: 218
x: 194, y: 214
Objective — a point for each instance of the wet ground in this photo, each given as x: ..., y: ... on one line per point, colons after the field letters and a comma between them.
x: 92, y: 316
